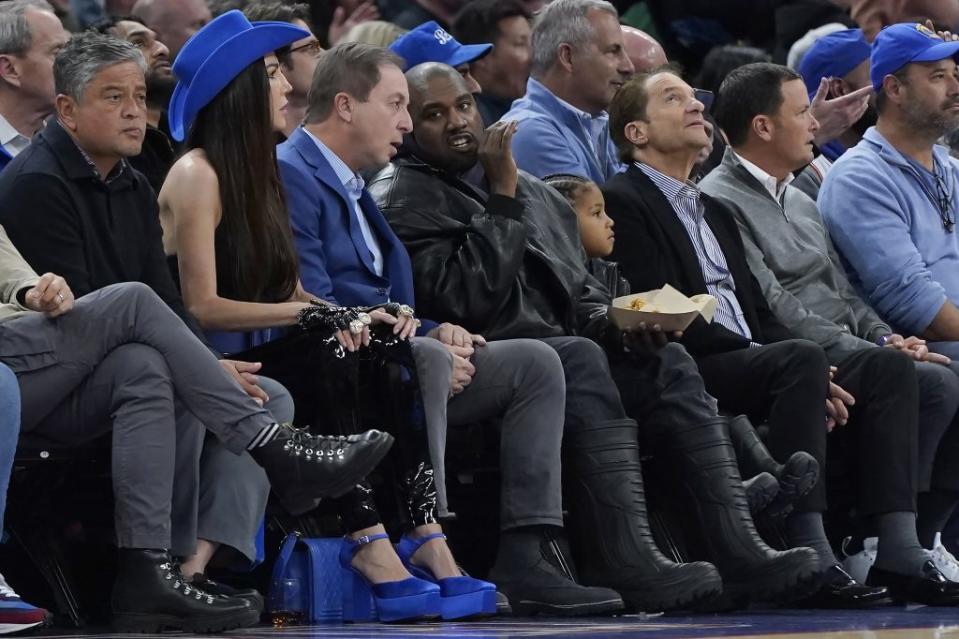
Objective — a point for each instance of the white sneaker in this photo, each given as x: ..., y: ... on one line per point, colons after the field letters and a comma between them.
x: 944, y: 560
x: 858, y: 565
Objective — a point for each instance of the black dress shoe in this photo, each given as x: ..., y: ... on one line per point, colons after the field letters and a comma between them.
x: 150, y: 595
x: 302, y: 467
x: 206, y: 584
x: 840, y: 590
x: 930, y: 587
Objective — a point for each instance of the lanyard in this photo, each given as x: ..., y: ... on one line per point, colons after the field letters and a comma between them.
x: 942, y: 202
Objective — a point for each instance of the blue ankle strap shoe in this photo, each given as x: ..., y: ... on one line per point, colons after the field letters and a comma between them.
x: 404, y: 600
x: 462, y: 596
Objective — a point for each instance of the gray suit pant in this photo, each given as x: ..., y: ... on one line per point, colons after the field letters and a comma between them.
x: 233, y: 489
x: 520, y: 381
x: 123, y: 362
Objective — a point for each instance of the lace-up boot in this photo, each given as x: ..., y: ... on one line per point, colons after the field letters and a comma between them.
x: 303, y: 467
x: 150, y: 595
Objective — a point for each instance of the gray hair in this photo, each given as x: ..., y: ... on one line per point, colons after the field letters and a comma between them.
x: 85, y: 55
x: 15, y: 36
x: 563, y: 22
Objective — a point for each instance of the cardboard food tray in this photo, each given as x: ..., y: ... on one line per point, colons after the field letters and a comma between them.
x: 672, y: 310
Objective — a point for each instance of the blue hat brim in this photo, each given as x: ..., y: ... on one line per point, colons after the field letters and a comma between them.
x: 222, y: 66
x: 938, y: 52
x: 469, y: 53
x: 934, y: 53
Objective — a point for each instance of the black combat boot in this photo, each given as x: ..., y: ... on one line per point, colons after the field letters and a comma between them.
x: 302, y: 467
x: 204, y: 583
x: 150, y: 595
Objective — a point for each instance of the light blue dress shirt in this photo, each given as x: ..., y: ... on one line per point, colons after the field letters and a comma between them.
x: 354, y: 185
x: 684, y: 198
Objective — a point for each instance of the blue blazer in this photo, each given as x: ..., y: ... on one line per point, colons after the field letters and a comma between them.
x: 335, y: 262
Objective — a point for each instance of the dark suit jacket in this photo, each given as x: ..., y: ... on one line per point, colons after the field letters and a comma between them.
x: 653, y: 249
x: 64, y: 219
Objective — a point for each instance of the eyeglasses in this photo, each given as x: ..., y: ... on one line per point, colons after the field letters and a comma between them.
x: 945, y: 203
x: 314, y: 48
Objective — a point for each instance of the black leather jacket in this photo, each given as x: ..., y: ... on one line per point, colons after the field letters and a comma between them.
x: 502, y: 267
x: 609, y: 274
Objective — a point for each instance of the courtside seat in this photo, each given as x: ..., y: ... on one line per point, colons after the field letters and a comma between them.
x: 57, y: 496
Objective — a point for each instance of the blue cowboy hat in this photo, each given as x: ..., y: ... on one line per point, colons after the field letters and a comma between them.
x: 215, y: 55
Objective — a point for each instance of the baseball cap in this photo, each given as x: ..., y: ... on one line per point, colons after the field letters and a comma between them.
x: 430, y: 42
x: 899, y: 44
x: 833, y: 56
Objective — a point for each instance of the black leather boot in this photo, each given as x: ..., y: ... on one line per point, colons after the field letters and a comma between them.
x: 796, y: 477
x: 761, y: 490
x: 612, y: 543
x: 150, y: 595
x: 204, y: 583
x: 700, y: 463
x: 302, y: 467
x: 533, y: 571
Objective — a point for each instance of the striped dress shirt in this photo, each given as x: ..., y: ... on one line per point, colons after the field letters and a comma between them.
x: 684, y: 198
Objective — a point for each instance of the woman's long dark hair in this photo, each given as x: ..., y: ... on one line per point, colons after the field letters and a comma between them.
x: 255, y: 257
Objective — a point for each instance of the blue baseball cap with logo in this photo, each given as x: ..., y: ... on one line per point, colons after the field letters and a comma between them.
x: 833, y: 56
x: 900, y: 44
x: 430, y: 42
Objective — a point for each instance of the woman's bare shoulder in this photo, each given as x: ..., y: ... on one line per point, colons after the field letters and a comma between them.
x: 191, y: 188
x: 192, y: 170
x: 191, y: 177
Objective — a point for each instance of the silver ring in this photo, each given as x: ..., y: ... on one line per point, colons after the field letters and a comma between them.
x: 406, y: 310
x: 356, y: 327
x: 365, y: 318
x: 62, y: 299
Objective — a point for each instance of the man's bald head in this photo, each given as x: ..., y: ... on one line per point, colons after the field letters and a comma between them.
x: 174, y: 21
x: 143, y: 9
x: 422, y: 76
x: 447, y: 127
x: 642, y: 50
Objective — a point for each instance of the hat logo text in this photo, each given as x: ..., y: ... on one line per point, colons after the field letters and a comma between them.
x: 926, y: 31
x: 442, y: 36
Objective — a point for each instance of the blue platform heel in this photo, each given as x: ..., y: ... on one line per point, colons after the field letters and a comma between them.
x: 403, y: 600
x: 462, y: 596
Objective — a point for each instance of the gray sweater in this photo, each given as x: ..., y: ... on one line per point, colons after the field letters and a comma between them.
x: 798, y: 269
